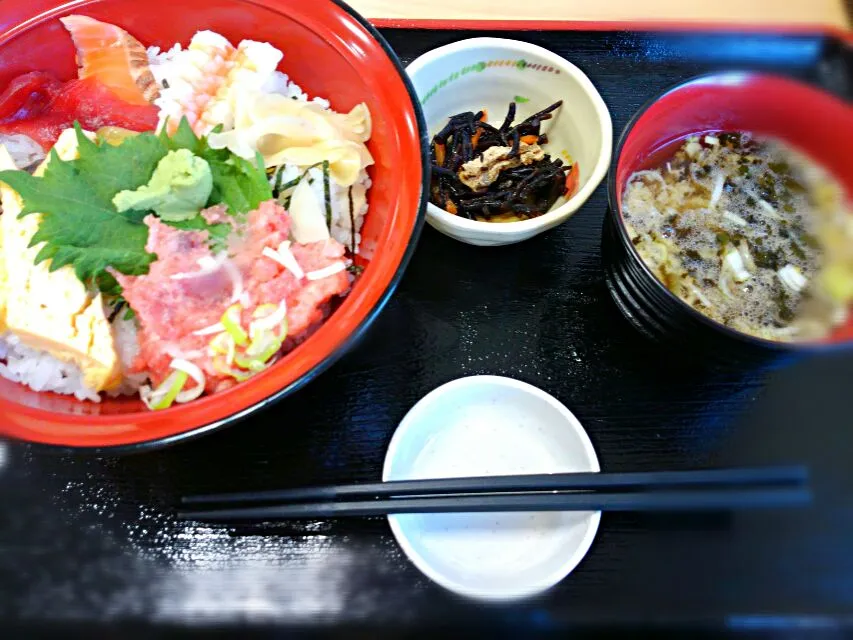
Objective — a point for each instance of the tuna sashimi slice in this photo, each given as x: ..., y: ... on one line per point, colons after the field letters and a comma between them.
x: 87, y: 101
x: 28, y: 95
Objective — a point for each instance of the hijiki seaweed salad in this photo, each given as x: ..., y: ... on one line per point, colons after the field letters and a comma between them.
x: 498, y: 174
x: 173, y: 221
x: 750, y: 232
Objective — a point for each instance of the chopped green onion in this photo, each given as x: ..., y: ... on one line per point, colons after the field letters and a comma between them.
x: 221, y: 367
x: 267, y: 317
x: 255, y: 365
x: 734, y: 262
x: 264, y: 347
x: 194, y: 372
x: 231, y: 321
x: 223, y: 344
x: 264, y: 310
x: 792, y: 278
x: 163, y: 396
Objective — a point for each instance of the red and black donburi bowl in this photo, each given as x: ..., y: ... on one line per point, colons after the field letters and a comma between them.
x: 806, y: 117
x: 328, y: 50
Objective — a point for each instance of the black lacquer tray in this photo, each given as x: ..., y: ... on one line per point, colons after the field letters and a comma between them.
x: 85, y: 540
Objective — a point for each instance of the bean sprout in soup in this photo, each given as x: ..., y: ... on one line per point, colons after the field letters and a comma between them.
x: 748, y: 231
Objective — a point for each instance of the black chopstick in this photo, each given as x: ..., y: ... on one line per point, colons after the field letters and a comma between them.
x: 739, y: 477
x: 716, y: 500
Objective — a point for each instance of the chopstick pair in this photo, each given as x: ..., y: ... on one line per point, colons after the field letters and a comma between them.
x: 712, y: 489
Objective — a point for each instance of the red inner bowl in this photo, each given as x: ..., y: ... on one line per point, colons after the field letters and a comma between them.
x: 328, y: 52
x: 812, y: 120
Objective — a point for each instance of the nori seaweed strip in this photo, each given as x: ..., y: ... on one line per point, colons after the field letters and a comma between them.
x: 327, y: 191
x: 296, y: 181
x: 510, y: 116
x: 116, y: 309
x: 351, y: 222
x: 277, y: 188
x: 286, y: 201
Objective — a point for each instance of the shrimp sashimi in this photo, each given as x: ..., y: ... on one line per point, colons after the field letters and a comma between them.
x: 114, y: 57
x: 207, y: 77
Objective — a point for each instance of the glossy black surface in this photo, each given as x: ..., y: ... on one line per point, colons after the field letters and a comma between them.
x: 84, y: 539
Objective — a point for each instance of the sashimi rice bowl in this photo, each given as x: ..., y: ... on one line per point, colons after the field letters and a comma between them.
x: 175, y: 220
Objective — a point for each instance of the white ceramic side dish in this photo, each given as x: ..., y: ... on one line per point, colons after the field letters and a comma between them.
x: 489, y: 425
x: 492, y: 72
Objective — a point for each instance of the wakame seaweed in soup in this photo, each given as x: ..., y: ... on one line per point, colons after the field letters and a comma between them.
x: 749, y: 232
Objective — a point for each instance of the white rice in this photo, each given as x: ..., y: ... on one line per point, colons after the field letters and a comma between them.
x: 159, y: 60
x: 42, y: 371
x: 341, y: 229
x: 280, y: 83
x: 127, y: 346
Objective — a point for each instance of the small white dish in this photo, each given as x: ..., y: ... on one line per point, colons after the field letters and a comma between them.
x: 480, y: 426
x: 489, y: 73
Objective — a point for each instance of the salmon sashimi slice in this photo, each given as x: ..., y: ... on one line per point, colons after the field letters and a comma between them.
x: 114, y: 57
